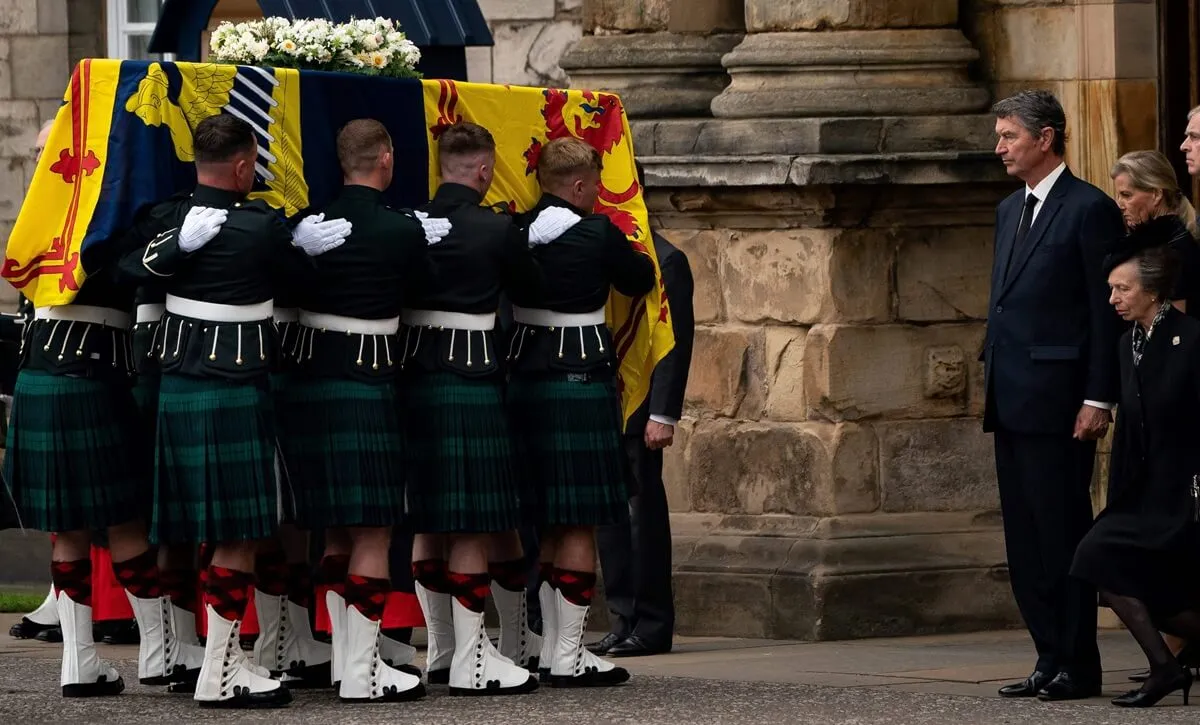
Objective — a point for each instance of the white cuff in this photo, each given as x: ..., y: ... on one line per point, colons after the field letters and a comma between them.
x: 665, y: 420
x: 1101, y: 406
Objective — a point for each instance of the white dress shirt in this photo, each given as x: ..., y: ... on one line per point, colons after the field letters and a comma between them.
x: 1042, y: 191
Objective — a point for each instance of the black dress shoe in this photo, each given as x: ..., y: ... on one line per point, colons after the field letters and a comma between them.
x: 635, y: 646
x: 1156, y: 688
x: 1029, y: 687
x: 1066, y: 687
x: 605, y: 645
x: 29, y: 629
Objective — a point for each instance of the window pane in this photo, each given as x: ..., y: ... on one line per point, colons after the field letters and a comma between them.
x: 139, y: 48
x: 142, y: 11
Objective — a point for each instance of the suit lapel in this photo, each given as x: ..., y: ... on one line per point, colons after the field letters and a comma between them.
x: 1005, y: 237
x: 1045, y: 217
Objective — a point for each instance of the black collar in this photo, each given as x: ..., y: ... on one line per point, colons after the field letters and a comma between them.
x: 450, y: 192
x: 549, y: 200
x: 358, y: 192
x: 216, y: 198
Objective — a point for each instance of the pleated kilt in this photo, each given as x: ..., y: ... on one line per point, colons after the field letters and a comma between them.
x: 67, y: 460
x: 346, y: 453
x: 569, y: 440
x: 214, y: 462
x: 460, y: 477
x: 145, y: 397
x: 283, y: 395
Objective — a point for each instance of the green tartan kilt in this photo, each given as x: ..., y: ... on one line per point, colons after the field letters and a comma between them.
x: 145, y: 396
x: 214, y: 462
x: 67, y: 462
x: 460, y: 476
x: 283, y: 395
x: 569, y: 441
x: 346, y: 454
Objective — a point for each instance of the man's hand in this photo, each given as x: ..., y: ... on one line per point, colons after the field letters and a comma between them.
x: 551, y: 224
x: 199, y: 227
x: 659, y: 435
x: 316, y: 236
x: 1091, y: 423
x: 436, y: 228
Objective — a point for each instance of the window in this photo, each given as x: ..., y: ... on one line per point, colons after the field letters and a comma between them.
x: 130, y: 25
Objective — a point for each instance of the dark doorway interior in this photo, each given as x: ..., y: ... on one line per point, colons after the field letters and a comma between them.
x: 1178, y: 77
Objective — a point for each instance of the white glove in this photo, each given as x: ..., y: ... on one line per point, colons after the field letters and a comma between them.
x: 199, y: 227
x: 551, y: 224
x: 436, y: 228
x: 316, y: 236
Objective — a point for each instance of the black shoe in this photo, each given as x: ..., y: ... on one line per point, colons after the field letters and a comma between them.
x: 1154, y: 690
x: 118, y: 631
x: 1140, y: 676
x: 1029, y: 687
x: 635, y: 646
x: 1066, y: 687
x: 605, y: 645
x: 28, y: 629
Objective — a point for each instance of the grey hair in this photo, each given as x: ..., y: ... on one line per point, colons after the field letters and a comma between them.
x: 1037, y: 110
x: 1193, y: 112
x: 1158, y: 270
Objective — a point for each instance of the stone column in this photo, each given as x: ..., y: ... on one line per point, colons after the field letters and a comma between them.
x: 662, y: 56
x: 850, y: 58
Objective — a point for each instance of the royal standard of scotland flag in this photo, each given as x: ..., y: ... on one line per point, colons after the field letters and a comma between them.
x: 123, y: 138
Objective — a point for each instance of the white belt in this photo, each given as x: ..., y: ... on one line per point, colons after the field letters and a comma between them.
x: 149, y: 313
x: 352, y: 325
x: 449, y: 320
x: 549, y: 318
x: 211, y: 312
x: 84, y: 313
x: 286, y: 314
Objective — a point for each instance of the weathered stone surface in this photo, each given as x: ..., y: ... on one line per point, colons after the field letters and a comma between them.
x: 799, y: 469
x: 785, y: 370
x: 528, y: 54
x: 479, y: 64
x: 18, y: 129
x: 850, y: 73
x: 495, y: 10
x: 12, y: 187
x: 783, y: 15
x: 39, y: 66
x: 626, y: 15
x: 675, y: 471
x: 944, y: 273
x: 18, y: 17
x: 945, y: 372
x: 707, y: 16
x: 656, y: 74
x: 724, y: 604
x: 726, y: 367
x: 853, y: 373
x: 809, y: 275
x: 52, y: 16
x: 937, y: 465
x: 703, y: 251
x: 1028, y: 43
x: 5, y: 71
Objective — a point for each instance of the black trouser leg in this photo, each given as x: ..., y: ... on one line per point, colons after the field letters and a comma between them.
x: 650, y: 518
x: 618, y: 561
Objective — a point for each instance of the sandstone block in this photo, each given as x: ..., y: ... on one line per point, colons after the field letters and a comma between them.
x: 936, y: 465
x: 1030, y: 43
x: 703, y: 251
x: 783, y: 15
x: 724, y: 604
x: 528, y: 54
x: 479, y: 64
x: 785, y: 370
x: 496, y: 10
x: 800, y: 469
x: 39, y: 66
x: 18, y: 129
x: 18, y: 17
x: 944, y: 273
x: 809, y: 275
x: 12, y: 188
x: 707, y: 16
x: 675, y: 470
x: 5, y: 71
x: 721, y: 371
x: 626, y: 15
x: 52, y: 16
x: 945, y: 372
x: 569, y: 6
x: 853, y: 373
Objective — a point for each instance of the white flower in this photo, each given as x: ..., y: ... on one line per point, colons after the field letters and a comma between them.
x: 289, y: 47
x: 380, y: 59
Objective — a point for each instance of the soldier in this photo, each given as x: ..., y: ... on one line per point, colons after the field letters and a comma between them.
x: 219, y: 258
x: 347, y: 452
x: 563, y: 397
x: 461, y: 483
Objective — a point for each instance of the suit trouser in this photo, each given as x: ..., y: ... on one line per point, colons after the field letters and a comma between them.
x: 635, y: 555
x: 1044, y: 497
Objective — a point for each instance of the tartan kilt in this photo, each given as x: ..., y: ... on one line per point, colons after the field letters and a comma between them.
x: 67, y: 462
x: 282, y: 397
x: 346, y: 454
x: 460, y: 476
x: 145, y: 396
x: 214, y: 478
x: 569, y: 441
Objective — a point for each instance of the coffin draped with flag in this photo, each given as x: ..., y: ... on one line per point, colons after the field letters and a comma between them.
x: 123, y: 138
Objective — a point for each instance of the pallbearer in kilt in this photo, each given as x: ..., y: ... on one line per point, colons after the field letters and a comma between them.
x: 563, y: 397
x: 219, y: 258
x: 461, y: 482
x: 348, y: 455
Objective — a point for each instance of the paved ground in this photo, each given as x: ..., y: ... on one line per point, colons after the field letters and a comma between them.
x: 936, y: 680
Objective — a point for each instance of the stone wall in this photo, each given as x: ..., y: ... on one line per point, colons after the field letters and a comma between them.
x: 531, y: 36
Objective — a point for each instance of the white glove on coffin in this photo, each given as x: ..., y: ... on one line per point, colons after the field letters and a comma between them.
x: 551, y: 224
x: 316, y: 236
x: 199, y: 227
x: 436, y: 228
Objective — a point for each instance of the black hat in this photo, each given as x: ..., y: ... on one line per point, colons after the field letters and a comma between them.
x: 1154, y: 232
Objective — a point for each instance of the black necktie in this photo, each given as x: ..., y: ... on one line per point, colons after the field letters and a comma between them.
x: 1031, y: 202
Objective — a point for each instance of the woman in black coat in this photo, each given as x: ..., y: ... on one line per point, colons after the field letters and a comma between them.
x: 1143, y: 554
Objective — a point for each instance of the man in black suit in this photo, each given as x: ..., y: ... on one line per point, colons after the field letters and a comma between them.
x: 635, y: 556
x: 1051, y: 378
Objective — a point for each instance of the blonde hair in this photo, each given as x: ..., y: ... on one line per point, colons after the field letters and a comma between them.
x: 564, y: 159
x: 1151, y: 171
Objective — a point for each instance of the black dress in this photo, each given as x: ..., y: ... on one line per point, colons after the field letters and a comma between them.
x: 1146, y: 542
x: 1179, y: 239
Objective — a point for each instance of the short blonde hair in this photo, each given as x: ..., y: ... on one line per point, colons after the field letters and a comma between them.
x: 563, y: 159
x: 1151, y: 171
